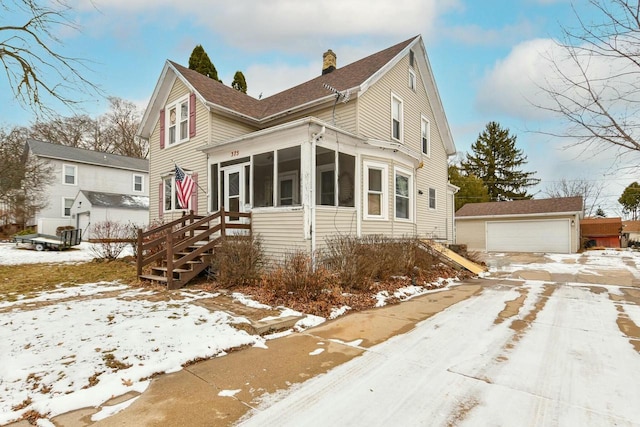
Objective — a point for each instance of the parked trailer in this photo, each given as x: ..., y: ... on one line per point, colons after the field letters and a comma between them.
x: 41, y: 242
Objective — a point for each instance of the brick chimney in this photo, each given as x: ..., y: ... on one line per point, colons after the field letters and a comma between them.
x: 328, y: 62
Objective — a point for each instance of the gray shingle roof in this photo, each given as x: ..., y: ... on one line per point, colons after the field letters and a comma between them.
x: 81, y: 155
x: 112, y: 200
x: 521, y: 207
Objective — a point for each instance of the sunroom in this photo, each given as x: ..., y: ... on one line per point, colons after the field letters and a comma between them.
x: 301, y: 181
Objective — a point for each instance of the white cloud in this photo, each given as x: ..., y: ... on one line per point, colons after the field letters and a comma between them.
x: 257, y: 26
x: 475, y: 35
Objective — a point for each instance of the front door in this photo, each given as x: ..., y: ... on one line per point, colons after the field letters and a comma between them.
x: 234, y: 191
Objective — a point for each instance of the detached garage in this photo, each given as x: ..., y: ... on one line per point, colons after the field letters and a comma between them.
x: 543, y: 225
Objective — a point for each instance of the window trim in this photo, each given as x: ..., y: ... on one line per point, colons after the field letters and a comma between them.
x: 412, y: 80
x: 396, y: 98
x: 174, y: 199
x: 435, y: 199
x: 398, y: 171
x: 295, y: 189
x: 135, y: 175
x: 384, y: 190
x: 425, y: 124
x: 177, y: 105
x: 75, y: 174
x: 64, y: 207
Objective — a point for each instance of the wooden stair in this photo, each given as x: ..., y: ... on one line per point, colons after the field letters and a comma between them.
x: 184, y: 248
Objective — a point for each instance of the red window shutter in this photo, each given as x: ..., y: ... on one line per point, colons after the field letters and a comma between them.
x: 160, y: 200
x: 192, y: 115
x: 162, y: 129
x: 194, y: 195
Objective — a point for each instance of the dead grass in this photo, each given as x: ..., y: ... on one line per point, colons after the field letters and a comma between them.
x: 27, y: 279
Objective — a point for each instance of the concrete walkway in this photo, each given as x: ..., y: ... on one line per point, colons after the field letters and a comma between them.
x: 218, y: 392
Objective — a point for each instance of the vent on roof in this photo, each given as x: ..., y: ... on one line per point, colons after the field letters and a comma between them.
x: 328, y: 62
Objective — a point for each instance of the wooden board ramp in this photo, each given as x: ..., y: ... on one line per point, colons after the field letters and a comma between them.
x: 455, y: 257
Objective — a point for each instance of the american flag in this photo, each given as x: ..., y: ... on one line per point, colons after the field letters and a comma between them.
x: 184, y: 187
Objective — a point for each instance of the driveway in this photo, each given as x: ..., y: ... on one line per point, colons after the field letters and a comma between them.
x: 548, y: 340
x: 541, y: 340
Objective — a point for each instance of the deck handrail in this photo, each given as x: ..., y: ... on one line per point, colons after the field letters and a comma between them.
x: 189, y: 231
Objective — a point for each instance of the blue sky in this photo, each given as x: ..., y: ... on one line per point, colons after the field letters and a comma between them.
x: 485, y: 57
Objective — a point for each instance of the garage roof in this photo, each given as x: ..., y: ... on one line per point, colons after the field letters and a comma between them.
x: 558, y: 205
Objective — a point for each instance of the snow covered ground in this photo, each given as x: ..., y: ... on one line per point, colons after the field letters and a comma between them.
x: 80, y: 346
x: 519, y: 353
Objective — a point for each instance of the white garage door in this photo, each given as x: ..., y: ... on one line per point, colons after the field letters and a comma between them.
x: 553, y: 235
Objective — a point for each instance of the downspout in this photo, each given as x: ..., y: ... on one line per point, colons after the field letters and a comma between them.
x: 312, y: 163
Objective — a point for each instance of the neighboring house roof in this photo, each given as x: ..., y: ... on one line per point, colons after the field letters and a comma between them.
x: 559, y: 205
x: 600, y: 227
x: 81, y: 155
x: 355, y: 77
x: 111, y: 200
x: 631, y: 226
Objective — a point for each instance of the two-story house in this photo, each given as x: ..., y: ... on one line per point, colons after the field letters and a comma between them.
x: 359, y: 150
x: 90, y: 187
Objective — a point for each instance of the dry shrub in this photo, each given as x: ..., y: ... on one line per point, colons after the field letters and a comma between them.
x: 112, y: 238
x: 358, y: 262
x: 297, y: 276
x: 238, y: 261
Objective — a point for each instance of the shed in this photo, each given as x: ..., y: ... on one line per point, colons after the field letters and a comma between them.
x: 536, y: 225
x: 603, y: 232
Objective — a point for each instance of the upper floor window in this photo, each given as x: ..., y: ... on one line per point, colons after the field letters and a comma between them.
x: 396, y: 118
x: 69, y: 174
x: 412, y: 80
x: 412, y: 58
x: 432, y: 198
x: 138, y: 183
x: 376, y: 182
x: 425, y: 131
x: 177, y: 117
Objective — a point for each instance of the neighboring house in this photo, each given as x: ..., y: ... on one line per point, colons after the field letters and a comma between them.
x: 601, y: 232
x: 359, y: 150
x: 77, y: 170
x: 542, y: 225
x: 630, y: 233
x: 92, y: 207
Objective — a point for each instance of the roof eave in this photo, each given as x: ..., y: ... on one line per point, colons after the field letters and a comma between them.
x: 518, y: 215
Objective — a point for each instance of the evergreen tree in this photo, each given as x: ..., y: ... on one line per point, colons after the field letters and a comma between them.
x: 600, y: 213
x: 200, y: 62
x: 239, y: 83
x: 498, y: 163
x: 630, y: 200
x: 472, y: 189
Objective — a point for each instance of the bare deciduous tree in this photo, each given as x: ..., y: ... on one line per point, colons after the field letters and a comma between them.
x: 30, y: 53
x: 589, y: 190
x: 23, y: 180
x: 596, y: 73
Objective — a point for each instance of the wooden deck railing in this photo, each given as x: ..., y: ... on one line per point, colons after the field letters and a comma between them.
x: 165, y: 241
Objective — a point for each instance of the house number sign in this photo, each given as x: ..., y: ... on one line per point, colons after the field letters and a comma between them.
x: 235, y: 153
